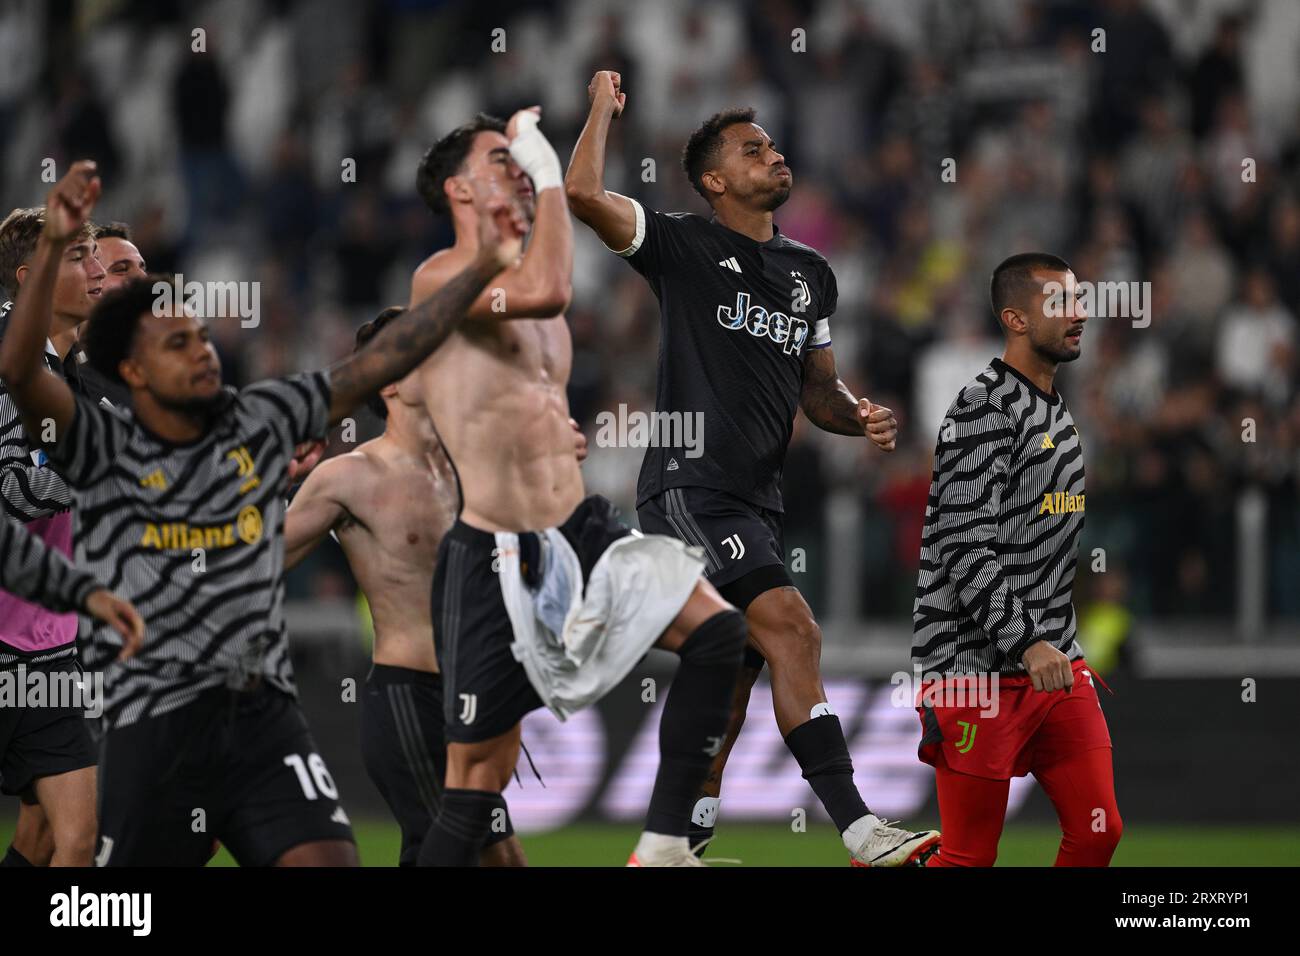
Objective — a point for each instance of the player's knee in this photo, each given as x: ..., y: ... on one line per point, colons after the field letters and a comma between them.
x: 1093, y: 842
x: 1107, y: 837
x: 799, y: 642
x: 718, y: 642
x: 76, y: 842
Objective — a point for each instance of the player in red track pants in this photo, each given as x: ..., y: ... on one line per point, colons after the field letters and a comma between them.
x: 1059, y: 736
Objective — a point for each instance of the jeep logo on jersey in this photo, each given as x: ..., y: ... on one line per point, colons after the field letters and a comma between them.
x: 789, y: 333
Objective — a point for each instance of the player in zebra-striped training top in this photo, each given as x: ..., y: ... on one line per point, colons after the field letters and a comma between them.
x: 1005, y: 690
x: 180, y: 502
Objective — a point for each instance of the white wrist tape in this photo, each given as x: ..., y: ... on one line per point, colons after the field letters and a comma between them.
x: 535, y: 155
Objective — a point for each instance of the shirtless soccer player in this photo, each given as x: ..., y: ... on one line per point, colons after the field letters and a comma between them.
x: 388, y: 504
x: 205, y: 715
x: 745, y: 344
x: 541, y: 596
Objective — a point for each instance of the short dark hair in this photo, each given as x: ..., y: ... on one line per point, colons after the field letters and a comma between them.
x: 701, y: 150
x: 114, y: 230
x: 367, y: 332
x: 109, y: 333
x: 1014, y: 278
x: 445, y: 158
x: 19, y: 233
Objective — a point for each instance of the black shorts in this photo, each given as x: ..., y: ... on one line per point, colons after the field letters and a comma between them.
x: 744, y: 544
x: 487, y: 690
x: 41, y: 741
x: 404, y: 747
x: 236, y: 766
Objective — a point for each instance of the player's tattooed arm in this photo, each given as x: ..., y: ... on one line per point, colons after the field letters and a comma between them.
x: 613, y: 217
x: 829, y: 404
x: 409, y: 339
x: 41, y: 396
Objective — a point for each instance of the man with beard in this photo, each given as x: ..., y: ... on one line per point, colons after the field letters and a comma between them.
x: 993, y: 598
x: 745, y: 344
x: 181, y: 500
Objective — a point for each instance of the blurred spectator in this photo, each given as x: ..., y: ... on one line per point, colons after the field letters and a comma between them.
x: 1256, y: 342
x: 1128, y: 162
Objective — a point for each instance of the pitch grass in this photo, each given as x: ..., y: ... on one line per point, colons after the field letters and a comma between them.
x: 776, y: 845
x: 595, y: 844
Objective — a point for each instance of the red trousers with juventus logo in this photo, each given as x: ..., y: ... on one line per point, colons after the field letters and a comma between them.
x: 1059, y: 737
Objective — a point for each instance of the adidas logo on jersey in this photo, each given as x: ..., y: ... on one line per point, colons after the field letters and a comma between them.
x: 1047, y: 442
x: 155, y: 480
x: 730, y: 263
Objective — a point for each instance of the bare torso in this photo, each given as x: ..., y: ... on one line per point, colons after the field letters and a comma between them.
x: 496, y: 392
x: 398, y: 505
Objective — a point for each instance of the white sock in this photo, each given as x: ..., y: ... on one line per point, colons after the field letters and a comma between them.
x: 859, y: 831
x: 656, y: 846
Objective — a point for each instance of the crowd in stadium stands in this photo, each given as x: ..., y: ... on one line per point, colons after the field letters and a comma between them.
x: 928, y: 140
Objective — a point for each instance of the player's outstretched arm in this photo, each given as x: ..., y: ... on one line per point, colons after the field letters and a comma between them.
x: 540, y: 283
x: 36, y: 572
x: 829, y: 404
x: 409, y: 339
x: 613, y: 217
x: 43, y: 398
x: 315, y: 511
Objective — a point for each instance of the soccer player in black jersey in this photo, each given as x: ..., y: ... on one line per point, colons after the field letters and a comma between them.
x: 745, y: 343
x: 180, y: 505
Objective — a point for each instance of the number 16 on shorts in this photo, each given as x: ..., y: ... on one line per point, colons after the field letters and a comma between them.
x: 318, y: 782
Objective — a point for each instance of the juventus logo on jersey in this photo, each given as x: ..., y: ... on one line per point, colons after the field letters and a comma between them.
x: 736, y: 545
x: 246, y: 468
x: 468, y: 708
x: 105, y: 850
x: 801, y: 297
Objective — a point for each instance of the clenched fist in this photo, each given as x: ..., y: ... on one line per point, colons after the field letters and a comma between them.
x: 878, y: 424
x: 604, y: 88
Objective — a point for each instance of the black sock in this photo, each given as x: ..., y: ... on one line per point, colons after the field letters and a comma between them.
x: 823, y: 756
x: 14, y: 858
x: 463, y: 823
x: 694, y: 720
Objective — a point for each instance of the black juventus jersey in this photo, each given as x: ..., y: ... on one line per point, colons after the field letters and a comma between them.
x: 737, y: 317
x: 192, y: 534
x: 1001, y: 529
